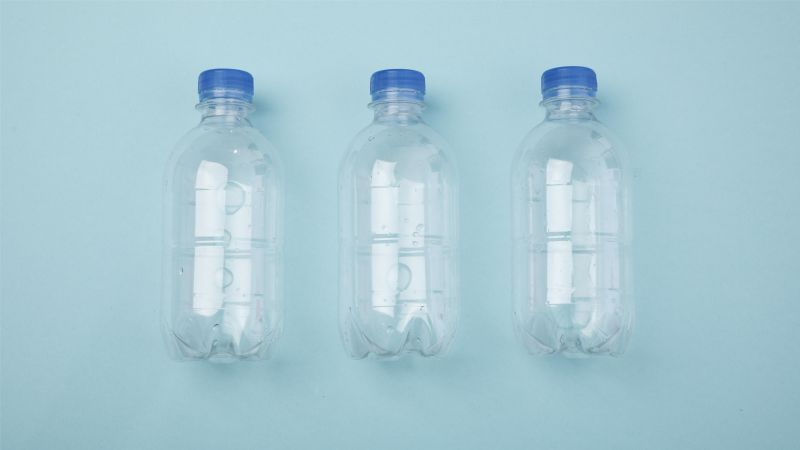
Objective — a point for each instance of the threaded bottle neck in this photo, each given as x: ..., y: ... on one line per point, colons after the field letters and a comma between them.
x: 225, y: 110
x: 579, y: 108
x: 401, y: 112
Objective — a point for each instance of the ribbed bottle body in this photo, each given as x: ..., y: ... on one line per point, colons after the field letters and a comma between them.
x: 398, y: 290
x: 572, y: 284
x: 223, y: 209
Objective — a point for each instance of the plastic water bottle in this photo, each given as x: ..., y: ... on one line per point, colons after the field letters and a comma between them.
x: 397, y: 191
x: 223, y: 191
x: 572, y: 233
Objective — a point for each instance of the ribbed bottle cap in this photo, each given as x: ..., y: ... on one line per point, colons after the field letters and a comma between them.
x: 397, y: 79
x: 569, y: 81
x: 225, y: 83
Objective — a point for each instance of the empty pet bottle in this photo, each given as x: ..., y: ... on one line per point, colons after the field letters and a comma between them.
x: 572, y: 234
x: 398, y: 288
x: 223, y: 194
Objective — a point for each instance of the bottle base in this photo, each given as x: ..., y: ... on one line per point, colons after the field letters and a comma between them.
x: 389, y: 343
x: 217, y: 351
x: 572, y: 344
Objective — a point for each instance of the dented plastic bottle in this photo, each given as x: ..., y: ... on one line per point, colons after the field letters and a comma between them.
x: 572, y: 283
x: 223, y: 194
x: 398, y: 288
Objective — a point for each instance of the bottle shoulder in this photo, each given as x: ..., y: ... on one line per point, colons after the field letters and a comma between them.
x: 243, y: 148
x: 583, y: 142
x: 418, y: 133
x: 416, y: 145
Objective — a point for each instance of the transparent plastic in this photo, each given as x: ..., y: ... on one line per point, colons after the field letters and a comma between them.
x: 398, y: 288
x: 572, y: 284
x: 223, y: 191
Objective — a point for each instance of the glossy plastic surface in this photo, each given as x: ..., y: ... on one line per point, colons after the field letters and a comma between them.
x: 223, y: 192
x: 398, y: 288
x: 572, y: 284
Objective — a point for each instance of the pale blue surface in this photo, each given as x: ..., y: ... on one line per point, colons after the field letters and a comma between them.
x: 706, y: 96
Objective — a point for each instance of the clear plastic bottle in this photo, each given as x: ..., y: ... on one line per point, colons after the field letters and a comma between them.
x: 223, y: 195
x: 398, y: 280
x: 572, y: 284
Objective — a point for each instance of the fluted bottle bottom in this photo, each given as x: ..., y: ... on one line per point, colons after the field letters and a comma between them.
x: 196, y: 337
x: 386, y: 338
x: 552, y: 332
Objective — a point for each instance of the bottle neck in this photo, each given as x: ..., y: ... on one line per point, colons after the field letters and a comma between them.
x: 570, y: 108
x: 225, y: 110
x: 398, y: 112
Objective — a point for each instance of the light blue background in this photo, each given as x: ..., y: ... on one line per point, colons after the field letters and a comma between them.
x: 707, y: 97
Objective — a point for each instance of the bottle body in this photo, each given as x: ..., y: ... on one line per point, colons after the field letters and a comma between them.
x: 572, y: 285
x: 223, y: 208
x: 398, y: 288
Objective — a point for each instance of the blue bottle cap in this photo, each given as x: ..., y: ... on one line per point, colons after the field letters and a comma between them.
x: 569, y: 81
x: 225, y: 83
x: 397, y: 79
